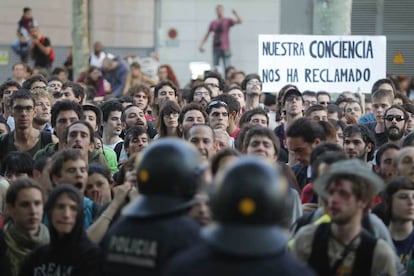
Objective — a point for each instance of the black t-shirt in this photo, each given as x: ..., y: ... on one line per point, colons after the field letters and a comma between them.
x: 40, y: 59
x: 404, y: 248
x: 81, y: 257
x: 7, y: 143
x: 135, y: 246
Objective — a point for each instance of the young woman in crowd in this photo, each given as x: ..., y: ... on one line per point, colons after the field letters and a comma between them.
x: 168, y: 120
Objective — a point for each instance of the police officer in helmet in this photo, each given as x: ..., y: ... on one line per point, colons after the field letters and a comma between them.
x: 155, y: 226
x: 250, y: 207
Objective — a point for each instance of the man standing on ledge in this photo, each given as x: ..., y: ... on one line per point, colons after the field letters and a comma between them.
x: 221, y: 42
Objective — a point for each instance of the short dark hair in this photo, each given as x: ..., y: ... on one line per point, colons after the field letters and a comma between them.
x: 22, y: 94
x: 215, y: 162
x: 85, y: 123
x: 215, y: 75
x: 132, y: 133
x: 315, y: 107
x: 232, y: 103
x: 162, y: 84
x: 261, y: 131
x: 329, y: 157
x: 323, y: 93
x: 96, y: 110
x: 21, y: 184
x: 380, y: 82
x: 332, y: 108
x: 189, y: 107
x: 255, y: 111
x: 408, y: 140
x: 195, y: 87
x: 59, y: 158
x: 248, y: 78
x: 309, y: 93
x: 27, y: 84
x: 382, y: 149
x: 65, y: 106
x: 78, y: 90
x: 54, y: 78
x: 17, y: 162
x: 101, y: 169
x: 307, y: 129
x: 8, y: 84
x: 140, y: 88
x: 109, y: 106
x: 58, y: 70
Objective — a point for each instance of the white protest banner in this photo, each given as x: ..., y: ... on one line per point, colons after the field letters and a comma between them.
x: 329, y: 63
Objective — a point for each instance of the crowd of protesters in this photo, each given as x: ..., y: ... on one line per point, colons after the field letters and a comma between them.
x: 119, y: 173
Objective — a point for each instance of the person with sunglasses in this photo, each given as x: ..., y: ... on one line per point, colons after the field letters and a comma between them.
x: 395, y: 121
x: 24, y: 138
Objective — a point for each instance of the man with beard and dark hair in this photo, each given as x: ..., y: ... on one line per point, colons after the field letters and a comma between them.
x: 200, y: 94
x: 359, y: 142
x: 343, y: 247
x: 384, y: 157
x: 395, y: 119
x: 252, y: 86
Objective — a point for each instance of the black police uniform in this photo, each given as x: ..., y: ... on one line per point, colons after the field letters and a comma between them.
x: 249, y: 205
x: 203, y: 260
x: 142, y: 246
x: 155, y: 227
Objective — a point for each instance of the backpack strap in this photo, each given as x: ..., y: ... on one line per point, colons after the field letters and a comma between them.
x: 4, y: 144
x: 319, y: 259
x: 364, y: 254
x: 45, y: 138
x: 118, y: 149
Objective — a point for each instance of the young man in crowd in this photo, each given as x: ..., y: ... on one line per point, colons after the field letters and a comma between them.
x: 24, y: 232
x: 24, y: 138
x: 348, y: 188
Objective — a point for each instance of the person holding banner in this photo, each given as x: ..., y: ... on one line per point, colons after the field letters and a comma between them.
x: 221, y: 42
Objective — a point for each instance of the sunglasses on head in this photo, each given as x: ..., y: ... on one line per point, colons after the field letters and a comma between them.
x: 398, y: 118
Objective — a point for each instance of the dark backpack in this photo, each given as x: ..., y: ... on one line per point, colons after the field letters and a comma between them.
x: 319, y: 259
x: 118, y: 149
x: 52, y: 51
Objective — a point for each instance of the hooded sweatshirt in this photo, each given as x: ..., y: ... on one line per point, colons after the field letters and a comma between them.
x: 72, y: 254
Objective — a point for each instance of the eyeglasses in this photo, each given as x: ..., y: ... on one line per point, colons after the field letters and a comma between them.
x: 324, y: 103
x: 199, y: 93
x: 217, y: 102
x: 349, y: 110
x: 254, y: 82
x: 19, y: 108
x: 8, y: 92
x: 398, y: 118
